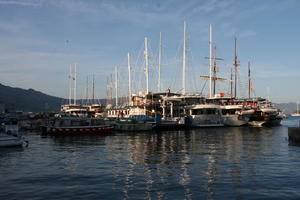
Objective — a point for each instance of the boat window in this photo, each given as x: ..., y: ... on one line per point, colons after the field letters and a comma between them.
x: 208, y: 111
x: 198, y: 112
x: 228, y: 111
x: 211, y: 111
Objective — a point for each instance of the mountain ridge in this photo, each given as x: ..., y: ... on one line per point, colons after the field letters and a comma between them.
x: 35, y: 101
x: 28, y: 100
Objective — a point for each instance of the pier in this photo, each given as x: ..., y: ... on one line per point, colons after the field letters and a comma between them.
x: 294, y: 134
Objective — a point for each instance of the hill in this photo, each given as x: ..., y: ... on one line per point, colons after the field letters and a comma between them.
x: 31, y: 100
x: 35, y: 101
x: 28, y: 100
x: 287, y: 108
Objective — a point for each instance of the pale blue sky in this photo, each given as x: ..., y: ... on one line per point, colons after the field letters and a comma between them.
x: 39, y: 39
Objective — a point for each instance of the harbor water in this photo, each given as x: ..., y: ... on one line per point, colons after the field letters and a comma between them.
x: 207, y: 163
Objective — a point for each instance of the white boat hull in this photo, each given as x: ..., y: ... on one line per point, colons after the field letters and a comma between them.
x: 207, y: 121
x: 257, y: 123
x: 235, y: 120
x: 11, y: 141
x: 295, y: 115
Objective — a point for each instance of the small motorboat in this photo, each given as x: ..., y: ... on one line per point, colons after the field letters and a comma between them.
x: 10, y: 135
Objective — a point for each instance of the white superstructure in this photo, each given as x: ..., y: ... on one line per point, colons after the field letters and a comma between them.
x: 205, y: 115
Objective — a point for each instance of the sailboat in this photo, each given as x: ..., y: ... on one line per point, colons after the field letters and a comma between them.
x: 233, y: 112
x: 206, y: 114
x: 72, y: 108
x: 297, y: 113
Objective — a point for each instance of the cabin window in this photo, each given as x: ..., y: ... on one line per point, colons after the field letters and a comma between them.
x: 198, y: 112
x: 209, y: 111
x: 228, y: 111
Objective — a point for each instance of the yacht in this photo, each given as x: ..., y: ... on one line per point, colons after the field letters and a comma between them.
x: 236, y: 115
x: 265, y: 113
x: 74, y: 110
x: 205, y: 115
x: 234, y: 111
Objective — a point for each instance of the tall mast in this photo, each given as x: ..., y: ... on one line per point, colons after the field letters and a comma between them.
x: 231, y: 83
x: 129, y: 78
x: 212, y: 67
x: 70, y: 85
x: 107, y: 90
x: 116, y: 84
x: 159, y: 60
x: 75, y: 79
x: 249, y: 80
x: 235, y: 67
x: 147, y: 65
x: 87, y: 90
x: 111, y: 89
x: 214, y: 70
x: 93, y: 88
x: 210, y: 60
x: 184, y: 59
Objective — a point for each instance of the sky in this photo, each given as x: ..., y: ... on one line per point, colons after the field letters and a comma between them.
x: 40, y: 39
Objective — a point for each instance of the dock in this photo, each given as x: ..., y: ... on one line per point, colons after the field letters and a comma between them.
x: 294, y: 134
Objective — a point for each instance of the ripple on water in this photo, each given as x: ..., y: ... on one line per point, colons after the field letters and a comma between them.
x: 217, y: 163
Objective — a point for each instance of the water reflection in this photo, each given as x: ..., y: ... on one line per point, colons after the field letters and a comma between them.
x: 214, y: 163
x: 153, y: 161
x: 78, y: 140
x: 8, y: 152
